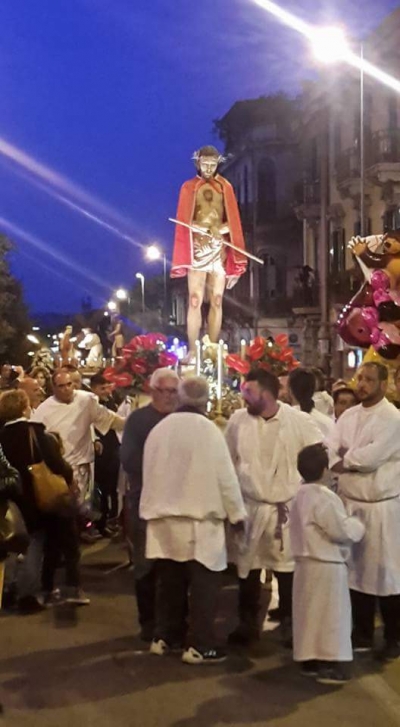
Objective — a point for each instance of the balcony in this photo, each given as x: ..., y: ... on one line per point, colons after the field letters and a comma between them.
x: 348, y: 173
x: 308, y: 200
x: 383, y: 157
x: 382, y: 162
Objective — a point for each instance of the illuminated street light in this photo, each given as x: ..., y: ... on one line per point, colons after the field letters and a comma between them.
x: 154, y: 253
x: 112, y: 305
x: 33, y: 339
x: 121, y: 294
x: 329, y: 45
x: 140, y: 277
x: 345, y: 54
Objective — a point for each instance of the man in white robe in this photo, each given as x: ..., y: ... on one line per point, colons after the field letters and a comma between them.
x: 365, y: 451
x: 321, y: 533
x: 264, y: 440
x: 189, y: 489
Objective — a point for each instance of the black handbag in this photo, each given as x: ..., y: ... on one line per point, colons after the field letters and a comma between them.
x: 14, y: 536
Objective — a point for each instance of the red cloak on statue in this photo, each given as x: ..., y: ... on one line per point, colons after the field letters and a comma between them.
x: 182, y: 258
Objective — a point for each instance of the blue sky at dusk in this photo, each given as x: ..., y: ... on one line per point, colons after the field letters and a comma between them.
x: 111, y: 97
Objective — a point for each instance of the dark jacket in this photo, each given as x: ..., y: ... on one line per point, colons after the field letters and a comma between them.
x: 15, y: 440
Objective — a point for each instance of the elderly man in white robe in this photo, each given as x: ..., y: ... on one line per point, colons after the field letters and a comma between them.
x: 321, y: 534
x: 189, y: 490
x: 264, y: 440
x: 365, y: 451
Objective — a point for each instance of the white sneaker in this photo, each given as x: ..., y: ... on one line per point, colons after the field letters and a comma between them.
x: 209, y: 656
x: 159, y: 647
x: 77, y: 597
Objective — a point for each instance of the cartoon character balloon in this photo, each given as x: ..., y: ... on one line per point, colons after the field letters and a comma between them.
x: 373, y: 315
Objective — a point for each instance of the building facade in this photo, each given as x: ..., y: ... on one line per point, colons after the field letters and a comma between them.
x: 348, y: 123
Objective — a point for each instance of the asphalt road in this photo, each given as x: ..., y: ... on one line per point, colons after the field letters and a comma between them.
x: 86, y: 667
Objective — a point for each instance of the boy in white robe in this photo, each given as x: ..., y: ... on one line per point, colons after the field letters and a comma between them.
x: 321, y: 533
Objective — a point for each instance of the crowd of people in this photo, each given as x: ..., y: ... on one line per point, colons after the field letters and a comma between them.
x: 302, y: 486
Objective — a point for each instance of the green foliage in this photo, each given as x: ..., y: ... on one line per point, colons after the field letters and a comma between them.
x: 14, y: 318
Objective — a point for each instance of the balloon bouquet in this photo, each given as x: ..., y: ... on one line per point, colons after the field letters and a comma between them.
x: 372, y: 318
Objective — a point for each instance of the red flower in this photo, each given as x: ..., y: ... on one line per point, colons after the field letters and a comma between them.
x: 123, y: 379
x: 235, y: 362
x: 286, y: 354
x: 282, y: 340
x: 264, y: 365
x: 257, y: 349
x: 109, y: 373
x: 138, y: 366
x: 167, y: 359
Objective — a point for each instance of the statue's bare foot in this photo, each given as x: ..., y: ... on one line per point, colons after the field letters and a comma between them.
x: 189, y: 359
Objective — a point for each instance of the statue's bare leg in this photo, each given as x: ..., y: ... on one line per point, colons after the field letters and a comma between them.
x: 197, y: 284
x: 216, y: 286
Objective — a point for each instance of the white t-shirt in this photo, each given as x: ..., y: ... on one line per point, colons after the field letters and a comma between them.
x: 73, y: 422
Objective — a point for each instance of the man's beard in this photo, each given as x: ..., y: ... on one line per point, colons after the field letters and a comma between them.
x: 255, y: 409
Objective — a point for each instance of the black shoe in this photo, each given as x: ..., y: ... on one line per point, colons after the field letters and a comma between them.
x: 332, y: 675
x: 29, y: 605
x: 309, y: 668
x: 390, y: 651
x: 243, y: 635
x: 361, y: 645
x: 275, y: 615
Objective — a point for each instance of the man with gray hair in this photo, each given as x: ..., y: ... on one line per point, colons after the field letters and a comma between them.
x: 164, y: 400
x: 190, y: 489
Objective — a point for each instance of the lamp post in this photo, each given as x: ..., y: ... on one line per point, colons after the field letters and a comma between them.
x: 153, y: 253
x: 330, y: 46
x: 140, y: 277
x: 124, y: 300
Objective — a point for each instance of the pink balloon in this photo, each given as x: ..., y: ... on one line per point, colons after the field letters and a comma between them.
x: 381, y: 296
x: 379, y: 280
x: 370, y: 316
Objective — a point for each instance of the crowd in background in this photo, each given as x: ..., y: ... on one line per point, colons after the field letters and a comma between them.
x: 167, y: 480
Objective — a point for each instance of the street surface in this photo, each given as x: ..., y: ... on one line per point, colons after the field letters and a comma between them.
x: 86, y: 667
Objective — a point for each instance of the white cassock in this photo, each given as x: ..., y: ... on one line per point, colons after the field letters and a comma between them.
x: 324, y: 423
x: 264, y: 452
x: 321, y: 533
x: 189, y: 490
x: 371, y: 489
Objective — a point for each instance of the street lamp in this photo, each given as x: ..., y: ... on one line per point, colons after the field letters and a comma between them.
x: 112, y: 305
x: 140, y: 277
x: 121, y: 294
x: 330, y: 46
x: 153, y: 253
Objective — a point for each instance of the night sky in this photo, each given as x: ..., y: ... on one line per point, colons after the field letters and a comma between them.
x: 109, y: 99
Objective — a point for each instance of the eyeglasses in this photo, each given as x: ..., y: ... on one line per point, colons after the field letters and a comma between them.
x: 166, y: 390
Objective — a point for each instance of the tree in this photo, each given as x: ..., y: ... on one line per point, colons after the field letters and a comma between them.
x: 14, y: 318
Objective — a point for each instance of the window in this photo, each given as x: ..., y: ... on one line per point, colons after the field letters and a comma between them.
x: 337, y: 139
x: 267, y: 279
x: 392, y: 109
x: 266, y: 191
x: 391, y: 219
x: 337, y: 257
x: 314, y: 161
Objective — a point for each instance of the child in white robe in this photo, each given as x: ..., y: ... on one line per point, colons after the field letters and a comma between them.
x: 321, y: 534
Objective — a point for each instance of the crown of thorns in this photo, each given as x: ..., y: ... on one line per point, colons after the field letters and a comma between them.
x: 208, y: 151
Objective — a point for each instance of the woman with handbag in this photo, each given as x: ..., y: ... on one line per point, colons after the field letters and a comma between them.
x: 33, y: 452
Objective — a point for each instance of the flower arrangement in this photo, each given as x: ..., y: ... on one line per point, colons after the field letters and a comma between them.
x: 140, y: 358
x: 264, y: 353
